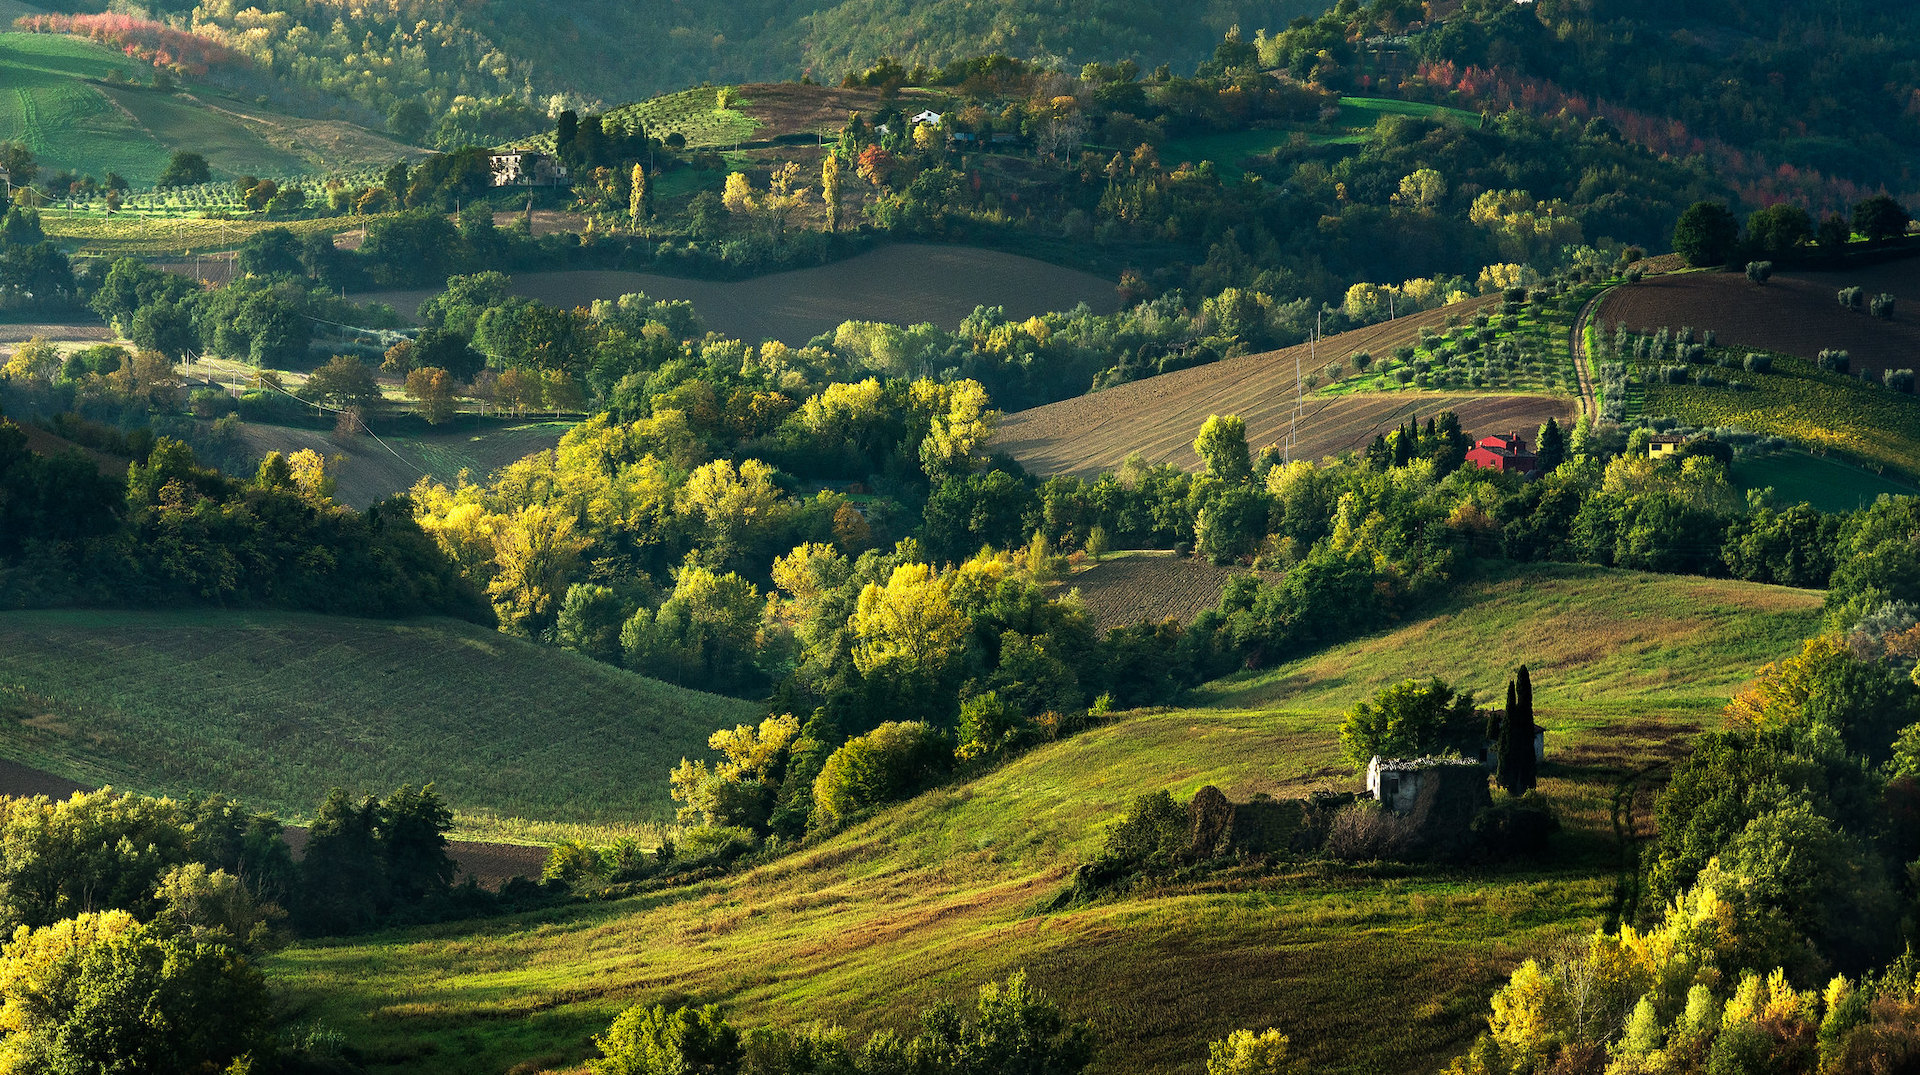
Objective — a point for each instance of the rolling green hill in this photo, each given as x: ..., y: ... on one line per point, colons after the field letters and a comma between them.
x: 55, y: 96
x: 275, y: 708
x: 931, y: 898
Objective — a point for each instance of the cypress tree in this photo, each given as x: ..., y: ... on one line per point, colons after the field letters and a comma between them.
x: 1526, y: 769
x: 1504, y: 773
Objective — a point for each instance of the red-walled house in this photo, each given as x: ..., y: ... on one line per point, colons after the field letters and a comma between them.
x: 1507, y: 454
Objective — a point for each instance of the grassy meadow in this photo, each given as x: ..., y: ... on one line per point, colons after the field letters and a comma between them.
x: 1828, y: 484
x: 1357, y: 117
x: 57, y: 96
x: 1820, y: 411
x: 525, y: 742
x: 929, y: 899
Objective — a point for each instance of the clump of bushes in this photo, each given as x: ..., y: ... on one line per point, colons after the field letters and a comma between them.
x: 1852, y: 297
x: 1365, y: 831
x: 1759, y: 271
x: 1834, y: 360
x: 1757, y: 363
x: 1899, y: 380
x: 1882, y: 306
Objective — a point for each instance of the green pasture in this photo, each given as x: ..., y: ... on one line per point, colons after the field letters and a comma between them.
x: 274, y: 708
x: 1367, y: 111
x: 55, y: 97
x: 927, y: 900
x: 1595, y: 638
x: 1358, y: 115
x: 695, y: 114
x: 231, y: 147
x: 47, y: 102
x: 1826, y: 483
x: 1819, y: 411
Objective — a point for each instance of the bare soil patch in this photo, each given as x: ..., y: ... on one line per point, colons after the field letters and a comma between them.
x: 545, y: 222
x: 787, y: 108
x: 84, y: 333
x: 906, y: 283
x: 1148, y: 588
x: 21, y: 781
x: 492, y: 865
x: 1796, y: 314
x: 1159, y: 417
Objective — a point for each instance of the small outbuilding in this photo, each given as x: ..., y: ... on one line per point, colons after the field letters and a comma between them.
x: 928, y: 116
x: 1664, y: 445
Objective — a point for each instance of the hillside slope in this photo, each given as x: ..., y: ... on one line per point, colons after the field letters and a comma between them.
x: 929, y: 899
x: 1796, y: 313
x: 67, y: 109
x: 275, y: 708
x: 1159, y: 416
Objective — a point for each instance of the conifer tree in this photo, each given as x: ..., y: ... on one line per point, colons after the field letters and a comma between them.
x: 1526, y: 767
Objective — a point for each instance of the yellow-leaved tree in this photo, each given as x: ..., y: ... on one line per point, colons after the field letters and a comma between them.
x: 735, y: 506
x: 739, y: 788
x: 36, y: 360
x: 960, y: 419
x: 535, y: 550
x: 832, y: 170
x: 909, y: 627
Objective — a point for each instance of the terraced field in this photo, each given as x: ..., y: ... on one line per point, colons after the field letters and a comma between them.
x: 1158, y: 417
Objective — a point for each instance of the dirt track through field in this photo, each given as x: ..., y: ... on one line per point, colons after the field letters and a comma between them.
x: 1159, y: 417
x: 1797, y: 314
x: 905, y: 284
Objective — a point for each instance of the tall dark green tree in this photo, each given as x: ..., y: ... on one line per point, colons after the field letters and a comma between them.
x: 412, y: 828
x: 1551, y: 446
x: 1706, y: 234
x: 343, y: 876
x: 1518, y: 769
x: 185, y: 170
x: 1880, y: 218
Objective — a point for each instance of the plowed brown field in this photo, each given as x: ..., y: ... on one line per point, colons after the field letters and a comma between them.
x: 904, y: 283
x: 1795, y: 314
x: 1158, y: 417
x: 1148, y: 587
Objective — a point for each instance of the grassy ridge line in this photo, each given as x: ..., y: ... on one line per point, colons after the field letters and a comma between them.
x: 1592, y: 636
x: 275, y: 708
x: 934, y: 896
